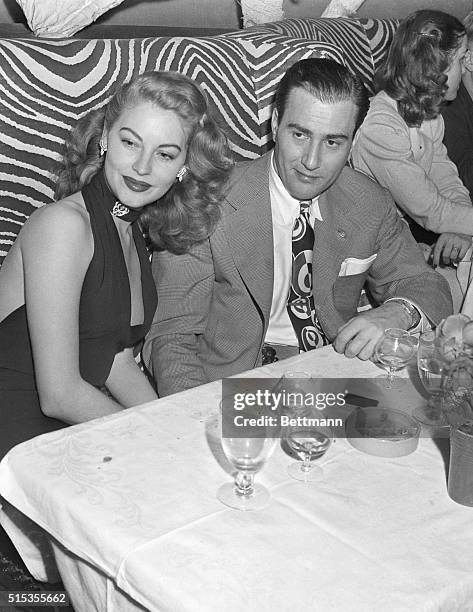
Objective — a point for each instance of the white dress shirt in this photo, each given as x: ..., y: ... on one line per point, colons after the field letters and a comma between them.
x: 284, y: 210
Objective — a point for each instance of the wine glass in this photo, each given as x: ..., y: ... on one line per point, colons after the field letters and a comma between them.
x: 307, y: 443
x: 247, y: 455
x: 394, y: 350
x: 430, y: 364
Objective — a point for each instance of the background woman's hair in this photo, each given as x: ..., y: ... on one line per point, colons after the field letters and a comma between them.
x: 413, y: 74
x: 190, y: 210
x: 468, y: 23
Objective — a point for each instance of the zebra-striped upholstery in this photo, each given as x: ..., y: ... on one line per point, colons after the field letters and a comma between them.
x: 348, y: 34
x: 364, y: 42
x: 45, y: 86
x: 379, y: 33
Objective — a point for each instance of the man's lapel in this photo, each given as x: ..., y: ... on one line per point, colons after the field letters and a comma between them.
x: 333, y: 239
x: 248, y: 226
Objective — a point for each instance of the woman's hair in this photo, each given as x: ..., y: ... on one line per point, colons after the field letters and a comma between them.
x: 468, y: 23
x: 188, y: 212
x: 414, y: 71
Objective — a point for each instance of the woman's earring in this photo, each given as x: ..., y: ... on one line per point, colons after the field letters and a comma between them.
x: 180, y: 175
x: 102, y: 148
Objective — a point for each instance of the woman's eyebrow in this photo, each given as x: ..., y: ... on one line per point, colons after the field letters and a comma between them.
x: 138, y: 137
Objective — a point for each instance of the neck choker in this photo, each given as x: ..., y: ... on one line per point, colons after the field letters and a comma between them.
x: 123, y: 212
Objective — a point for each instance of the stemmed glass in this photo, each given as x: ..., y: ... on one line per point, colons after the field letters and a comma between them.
x: 293, y: 382
x: 308, y: 444
x: 394, y: 350
x: 431, y: 363
x: 247, y: 455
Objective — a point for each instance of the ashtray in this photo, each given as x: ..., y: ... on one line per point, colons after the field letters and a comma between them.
x: 382, y: 432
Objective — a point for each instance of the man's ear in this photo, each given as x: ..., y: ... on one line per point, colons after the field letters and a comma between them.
x: 274, y: 123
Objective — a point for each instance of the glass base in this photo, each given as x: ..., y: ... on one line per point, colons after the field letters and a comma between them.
x: 256, y: 501
x: 396, y: 383
x: 432, y: 416
x: 313, y: 475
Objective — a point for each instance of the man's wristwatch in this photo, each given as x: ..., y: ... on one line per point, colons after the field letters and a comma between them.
x: 411, y: 310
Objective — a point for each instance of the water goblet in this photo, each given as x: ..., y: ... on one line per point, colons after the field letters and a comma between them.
x: 393, y: 351
x: 247, y: 455
x: 430, y: 364
x: 308, y: 443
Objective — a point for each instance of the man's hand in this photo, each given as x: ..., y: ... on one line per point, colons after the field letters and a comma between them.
x: 359, y: 336
x: 450, y: 249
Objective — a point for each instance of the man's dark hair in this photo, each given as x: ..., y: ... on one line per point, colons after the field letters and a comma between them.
x: 326, y: 80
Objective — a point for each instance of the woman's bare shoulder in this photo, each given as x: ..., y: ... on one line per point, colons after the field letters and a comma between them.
x: 64, y: 215
x: 62, y: 225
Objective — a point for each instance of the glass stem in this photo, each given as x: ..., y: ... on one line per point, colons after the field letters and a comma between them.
x: 390, y: 376
x: 244, y: 484
x: 306, y: 465
x: 436, y: 403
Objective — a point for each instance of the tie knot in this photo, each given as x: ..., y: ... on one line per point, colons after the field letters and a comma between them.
x: 305, y: 206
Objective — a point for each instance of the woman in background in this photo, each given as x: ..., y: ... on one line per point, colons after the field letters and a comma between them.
x: 76, y: 291
x: 400, y: 141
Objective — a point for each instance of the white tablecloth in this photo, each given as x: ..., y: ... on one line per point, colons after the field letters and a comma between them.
x: 129, y: 505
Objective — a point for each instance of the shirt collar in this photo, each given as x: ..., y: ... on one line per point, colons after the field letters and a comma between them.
x: 290, y: 212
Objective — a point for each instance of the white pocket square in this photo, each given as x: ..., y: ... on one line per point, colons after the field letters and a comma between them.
x: 352, y: 265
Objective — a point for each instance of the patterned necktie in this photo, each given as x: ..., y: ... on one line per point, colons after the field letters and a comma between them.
x: 300, y: 303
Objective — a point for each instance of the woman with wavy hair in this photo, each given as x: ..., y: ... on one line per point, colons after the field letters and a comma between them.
x: 76, y: 290
x: 400, y: 144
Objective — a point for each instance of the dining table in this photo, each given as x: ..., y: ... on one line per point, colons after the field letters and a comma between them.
x: 124, y: 509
